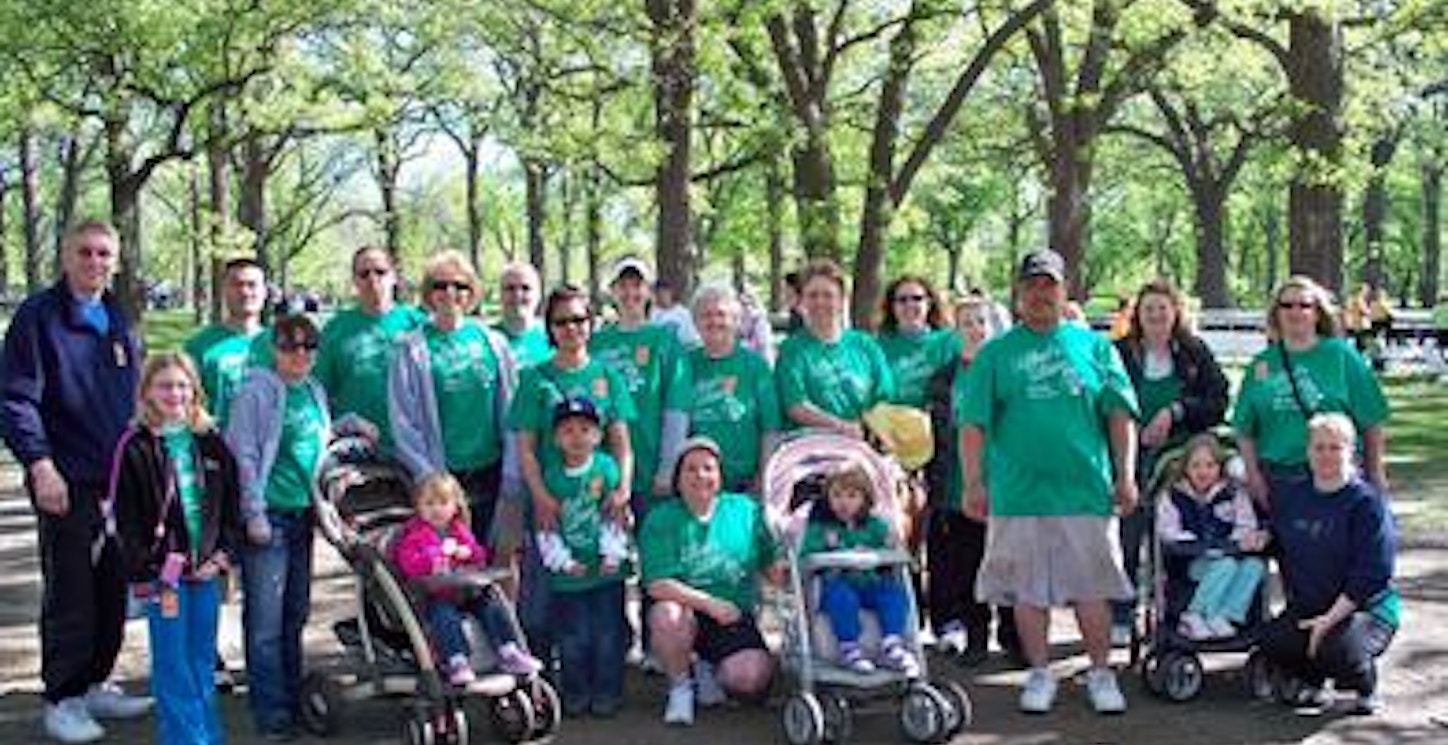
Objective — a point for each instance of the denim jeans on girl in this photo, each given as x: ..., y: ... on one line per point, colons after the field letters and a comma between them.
x: 445, y: 617
x: 183, y: 653
x: 841, y: 600
x: 277, y: 595
x: 592, y: 638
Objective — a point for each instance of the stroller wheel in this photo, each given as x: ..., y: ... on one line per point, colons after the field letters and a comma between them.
x: 321, y: 705
x: 1259, y: 676
x: 512, y: 716
x: 924, y: 714
x: 418, y: 729
x: 1181, y: 676
x: 458, y: 733
x: 961, y: 710
x: 839, y: 719
x: 804, y: 719
x: 1152, y: 675
x: 547, y: 707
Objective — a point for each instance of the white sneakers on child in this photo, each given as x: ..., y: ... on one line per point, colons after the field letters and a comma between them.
x: 852, y: 658
x: 1103, y: 691
x: 1221, y: 628
x: 68, y: 722
x: 679, y: 710
x: 1193, y: 626
x: 1039, y: 692
x: 896, y: 656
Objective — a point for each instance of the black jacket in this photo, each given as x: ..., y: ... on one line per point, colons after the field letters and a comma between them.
x: 939, y: 395
x: 141, y: 477
x: 1204, y: 387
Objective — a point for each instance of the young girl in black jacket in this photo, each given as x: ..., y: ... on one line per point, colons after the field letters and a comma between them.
x: 175, y: 499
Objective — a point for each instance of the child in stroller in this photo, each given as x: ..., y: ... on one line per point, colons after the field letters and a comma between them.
x: 437, y: 542
x: 842, y: 521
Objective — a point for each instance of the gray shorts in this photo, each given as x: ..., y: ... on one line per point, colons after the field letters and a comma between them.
x: 1051, y: 561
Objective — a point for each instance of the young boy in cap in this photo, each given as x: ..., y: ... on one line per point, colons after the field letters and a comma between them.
x: 585, y: 560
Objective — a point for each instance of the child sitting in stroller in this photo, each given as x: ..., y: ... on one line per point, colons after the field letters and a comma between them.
x: 437, y: 542
x: 841, y: 521
x: 1207, y: 522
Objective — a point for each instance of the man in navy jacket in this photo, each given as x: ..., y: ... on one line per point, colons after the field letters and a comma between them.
x: 67, y: 390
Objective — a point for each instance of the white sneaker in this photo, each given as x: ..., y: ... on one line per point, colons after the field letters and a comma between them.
x: 1194, y: 627
x: 707, y: 690
x: 108, y: 701
x: 953, y: 639
x: 69, y: 722
x: 1040, y: 691
x: 679, y: 710
x: 1221, y: 628
x: 1105, y: 695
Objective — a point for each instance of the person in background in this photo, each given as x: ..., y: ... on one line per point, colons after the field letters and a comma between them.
x: 223, y: 351
x: 668, y: 312
x: 915, y: 336
x: 520, y: 291
x: 69, y: 381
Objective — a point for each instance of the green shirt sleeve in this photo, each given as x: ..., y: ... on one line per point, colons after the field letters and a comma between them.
x: 1365, y: 395
x: 789, y: 374
x: 1244, y: 413
x: 977, y: 387
x: 770, y: 417
x: 880, y: 368
x: 675, y: 375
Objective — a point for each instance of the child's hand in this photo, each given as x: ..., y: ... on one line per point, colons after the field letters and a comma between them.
x: 463, y: 553
x: 576, y: 569
x: 450, y: 547
x: 1253, y: 540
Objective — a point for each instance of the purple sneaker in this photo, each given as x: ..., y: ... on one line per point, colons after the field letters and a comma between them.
x: 514, y: 661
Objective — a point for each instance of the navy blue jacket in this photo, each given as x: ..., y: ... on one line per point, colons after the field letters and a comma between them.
x: 66, y: 392
x: 1332, y: 544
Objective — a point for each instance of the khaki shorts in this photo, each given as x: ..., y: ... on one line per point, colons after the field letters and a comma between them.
x: 1051, y: 561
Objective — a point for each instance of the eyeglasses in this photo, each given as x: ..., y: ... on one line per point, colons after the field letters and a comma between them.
x: 909, y: 298
x: 571, y: 320
x: 449, y: 284
x: 371, y: 272
x: 287, y: 345
x: 1299, y: 304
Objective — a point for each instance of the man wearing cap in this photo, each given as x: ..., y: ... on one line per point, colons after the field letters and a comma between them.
x: 520, y: 291
x: 1046, y: 421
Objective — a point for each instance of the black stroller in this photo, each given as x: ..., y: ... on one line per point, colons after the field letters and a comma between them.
x: 362, y: 502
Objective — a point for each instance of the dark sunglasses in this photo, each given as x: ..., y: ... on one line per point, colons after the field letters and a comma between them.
x: 370, y: 272
x: 1300, y: 305
x: 571, y: 320
x: 909, y: 298
x: 287, y: 345
x: 446, y: 284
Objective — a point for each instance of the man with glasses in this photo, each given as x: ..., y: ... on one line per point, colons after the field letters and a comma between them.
x: 520, y: 292
x: 358, y: 343
x: 69, y: 382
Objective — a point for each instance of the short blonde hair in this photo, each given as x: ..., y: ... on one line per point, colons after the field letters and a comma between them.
x: 82, y: 229
x: 446, y: 486
x: 146, y: 414
x: 852, y: 479
x: 1333, y: 423
x: 455, y: 261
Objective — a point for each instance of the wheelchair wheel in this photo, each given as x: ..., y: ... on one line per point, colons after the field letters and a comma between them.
x: 1182, y: 676
x: 803, y: 718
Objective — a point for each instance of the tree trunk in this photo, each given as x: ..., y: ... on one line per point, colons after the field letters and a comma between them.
x: 30, y: 206
x: 73, y: 159
x: 1272, y: 239
x: 1432, y: 189
x: 1069, y: 207
x: 593, y: 228
x: 126, y: 217
x: 674, y: 72
x: 251, y: 206
x: 199, y: 273
x: 218, y: 188
x: 4, y: 237
x: 1315, y: 80
x: 774, y: 196
x: 1375, y: 212
x: 1211, y: 220
x: 389, y: 164
x: 567, y: 195
x: 535, y: 186
x: 815, y: 208
x: 475, y: 211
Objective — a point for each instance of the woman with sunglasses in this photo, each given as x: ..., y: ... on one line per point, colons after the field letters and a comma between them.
x: 915, y: 337
x: 278, y: 428
x: 1306, y: 370
x: 448, y: 393
x: 571, y: 373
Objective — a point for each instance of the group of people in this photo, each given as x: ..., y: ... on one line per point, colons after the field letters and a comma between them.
x: 563, y: 448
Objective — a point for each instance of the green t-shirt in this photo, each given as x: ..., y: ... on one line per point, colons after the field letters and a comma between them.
x: 913, y: 358
x: 222, y: 356
x: 1042, y: 401
x: 1331, y: 376
x: 289, y: 485
x: 354, y: 360
x: 1155, y: 395
x: 581, y: 494
x: 180, y: 446
x: 529, y: 347
x: 466, y: 382
x: 651, y: 364
x: 542, y: 387
x: 870, y: 533
x: 735, y: 404
x: 719, y: 557
x: 843, y: 379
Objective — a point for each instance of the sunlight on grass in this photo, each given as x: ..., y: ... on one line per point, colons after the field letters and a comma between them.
x: 167, y: 330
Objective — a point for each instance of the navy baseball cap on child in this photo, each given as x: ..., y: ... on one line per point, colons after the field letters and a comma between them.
x: 575, y: 407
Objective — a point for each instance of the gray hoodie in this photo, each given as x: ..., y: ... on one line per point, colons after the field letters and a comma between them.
x: 254, y: 431
x: 412, y: 407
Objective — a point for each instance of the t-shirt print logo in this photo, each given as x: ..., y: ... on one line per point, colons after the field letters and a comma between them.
x: 641, y: 355
x: 1283, y: 399
x: 600, y: 388
x: 1048, y: 375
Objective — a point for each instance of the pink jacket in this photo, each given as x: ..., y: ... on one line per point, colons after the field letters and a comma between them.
x: 421, y: 552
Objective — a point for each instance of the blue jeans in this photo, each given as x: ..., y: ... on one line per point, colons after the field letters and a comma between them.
x: 277, y: 586
x: 1226, y: 586
x: 183, y: 653
x: 445, y: 617
x: 592, y: 642
x: 841, y: 600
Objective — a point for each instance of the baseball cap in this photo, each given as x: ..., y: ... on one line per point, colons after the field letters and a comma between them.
x: 632, y: 265
x: 569, y: 408
x: 1042, y: 263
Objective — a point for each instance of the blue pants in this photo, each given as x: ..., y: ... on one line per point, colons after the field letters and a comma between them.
x: 592, y: 643
x: 183, y: 653
x: 1226, y: 586
x: 841, y: 600
x: 277, y: 595
x: 445, y: 617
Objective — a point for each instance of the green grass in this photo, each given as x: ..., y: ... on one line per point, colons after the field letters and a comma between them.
x: 1417, y: 446
x: 167, y: 330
